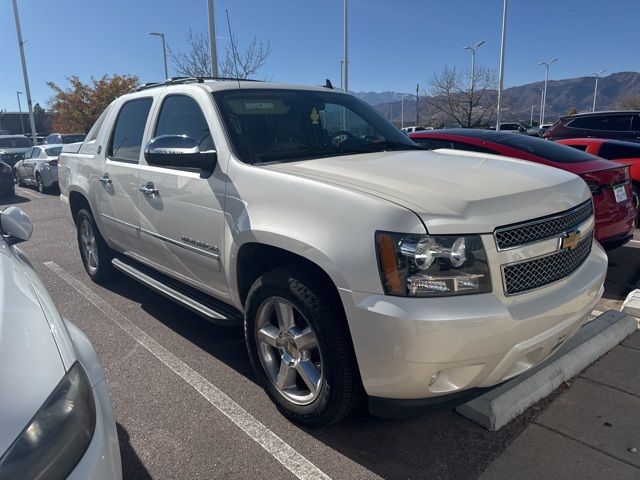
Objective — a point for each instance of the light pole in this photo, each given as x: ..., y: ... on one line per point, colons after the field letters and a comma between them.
x: 541, y: 100
x: 402, y: 110
x: 24, y: 73
x: 473, y: 61
x: 502, y: 49
x: 212, y: 40
x: 164, y: 52
x: 546, y: 79
x: 345, y: 64
x: 341, y: 73
x: 20, y: 110
x: 595, y: 90
x: 531, y: 121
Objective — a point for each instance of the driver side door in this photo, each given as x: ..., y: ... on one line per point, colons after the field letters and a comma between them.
x: 181, y: 213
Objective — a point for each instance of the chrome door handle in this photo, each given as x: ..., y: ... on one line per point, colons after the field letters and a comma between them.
x: 149, y: 189
x: 105, y: 179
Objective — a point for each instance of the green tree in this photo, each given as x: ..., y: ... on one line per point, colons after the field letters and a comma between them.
x: 77, y: 107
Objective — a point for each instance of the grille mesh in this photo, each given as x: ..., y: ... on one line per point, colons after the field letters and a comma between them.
x: 537, y: 273
x: 507, y: 237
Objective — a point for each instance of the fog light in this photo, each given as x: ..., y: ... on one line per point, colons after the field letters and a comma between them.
x: 433, y: 379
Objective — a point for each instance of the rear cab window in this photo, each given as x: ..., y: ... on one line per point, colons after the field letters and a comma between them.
x: 126, y: 138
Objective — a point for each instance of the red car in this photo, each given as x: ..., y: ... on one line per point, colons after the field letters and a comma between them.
x: 613, y: 199
x: 624, y: 153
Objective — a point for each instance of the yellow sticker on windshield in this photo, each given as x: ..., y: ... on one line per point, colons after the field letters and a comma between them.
x: 314, y: 116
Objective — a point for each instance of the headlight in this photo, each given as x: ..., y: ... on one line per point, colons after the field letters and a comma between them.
x: 58, y: 435
x: 432, y: 266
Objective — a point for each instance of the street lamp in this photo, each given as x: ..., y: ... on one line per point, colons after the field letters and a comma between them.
x: 164, y: 52
x: 402, y: 110
x: 595, y: 90
x: 20, y: 110
x: 546, y: 79
x: 24, y: 72
x: 345, y: 60
x: 541, y: 100
x: 531, y: 120
x: 473, y: 61
x: 502, y: 48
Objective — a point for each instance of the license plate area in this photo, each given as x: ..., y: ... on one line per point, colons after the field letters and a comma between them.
x: 620, y: 193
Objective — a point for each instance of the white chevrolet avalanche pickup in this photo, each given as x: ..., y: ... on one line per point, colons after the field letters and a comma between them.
x: 361, y: 266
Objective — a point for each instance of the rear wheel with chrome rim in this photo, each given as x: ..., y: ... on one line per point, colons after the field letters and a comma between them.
x: 300, y: 347
x: 95, y: 253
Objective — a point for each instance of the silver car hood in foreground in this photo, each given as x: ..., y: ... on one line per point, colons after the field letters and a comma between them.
x: 30, y: 362
x: 462, y: 193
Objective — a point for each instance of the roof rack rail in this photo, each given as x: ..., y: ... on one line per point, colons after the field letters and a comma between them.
x: 182, y: 80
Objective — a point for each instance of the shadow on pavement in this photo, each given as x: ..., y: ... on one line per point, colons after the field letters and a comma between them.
x: 440, y: 445
x: 623, y: 271
x: 132, y: 466
x: 13, y: 200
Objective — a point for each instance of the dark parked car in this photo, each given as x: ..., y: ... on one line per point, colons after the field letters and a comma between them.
x: 58, y: 138
x: 12, y: 148
x: 7, y: 188
x: 614, y: 125
x: 613, y: 200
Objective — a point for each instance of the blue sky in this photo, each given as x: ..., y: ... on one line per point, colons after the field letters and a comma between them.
x: 393, y: 45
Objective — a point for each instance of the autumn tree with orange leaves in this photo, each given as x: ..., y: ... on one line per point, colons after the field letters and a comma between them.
x: 77, y: 107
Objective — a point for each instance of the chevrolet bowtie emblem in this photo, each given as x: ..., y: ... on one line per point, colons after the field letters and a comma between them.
x: 571, y: 240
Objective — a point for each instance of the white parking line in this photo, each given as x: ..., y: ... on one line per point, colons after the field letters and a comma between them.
x: 278, y: 448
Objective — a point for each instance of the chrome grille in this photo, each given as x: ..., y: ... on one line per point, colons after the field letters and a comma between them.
x: 523, y: 233
x: 532, y: 274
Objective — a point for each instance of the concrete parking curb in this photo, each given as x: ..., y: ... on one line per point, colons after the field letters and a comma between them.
x: 496, y: 408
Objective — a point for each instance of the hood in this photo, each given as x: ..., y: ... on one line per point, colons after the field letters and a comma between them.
x: 452, y: 194
x: 13, y: 151
x: 30, y: 363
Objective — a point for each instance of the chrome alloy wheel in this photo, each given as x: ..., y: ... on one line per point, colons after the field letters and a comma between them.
x: 89, y: 245
x: 289, y: 351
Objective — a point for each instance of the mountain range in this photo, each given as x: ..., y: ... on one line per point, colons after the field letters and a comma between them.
x: 562, y: 96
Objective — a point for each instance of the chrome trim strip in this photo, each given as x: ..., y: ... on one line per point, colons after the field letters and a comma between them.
x: 168, y: 292
x: 116, y: 220
x: 535, y: 222
x: 186, y: 246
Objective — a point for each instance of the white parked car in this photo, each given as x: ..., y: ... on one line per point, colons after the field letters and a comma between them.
x: 39, y: 167
x: 358, y: 262
x: 56, y: 419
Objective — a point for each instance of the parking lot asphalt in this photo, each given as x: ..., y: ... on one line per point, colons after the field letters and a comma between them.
x: 186, y: 404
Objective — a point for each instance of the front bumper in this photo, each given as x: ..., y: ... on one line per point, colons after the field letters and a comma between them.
x: 101, y: 460
x: 416, y: 348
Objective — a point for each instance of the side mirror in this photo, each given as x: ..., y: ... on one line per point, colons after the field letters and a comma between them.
x: 179, y: 151
x: 15, y: 225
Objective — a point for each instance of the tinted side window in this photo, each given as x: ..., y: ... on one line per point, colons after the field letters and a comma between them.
x: 473, y: 148
x: 618, y: 123
x: 28, y: 153
x: 126, y: 139
x: 615, y: 151
x: 432, y: 144
x: 181, y: 115
x: 582, y: 148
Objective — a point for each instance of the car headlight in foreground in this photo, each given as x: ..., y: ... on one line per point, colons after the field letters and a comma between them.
x: 432, y: 266
x: 53, y: 442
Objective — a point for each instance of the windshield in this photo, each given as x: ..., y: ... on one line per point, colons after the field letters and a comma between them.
x: 53, y: 151
x: 273, y: 125
x: 15, y: 142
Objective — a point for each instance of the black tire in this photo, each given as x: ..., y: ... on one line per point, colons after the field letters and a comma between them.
x: 636, y: 193
x: 340, y: 387
x: 19, y: 180
x: 98, y: 264
x: 40, y: 184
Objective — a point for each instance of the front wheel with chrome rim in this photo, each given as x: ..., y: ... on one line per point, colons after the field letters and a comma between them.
x: 95, y: 253
x: 300, y: 347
